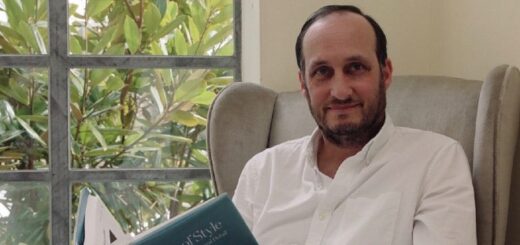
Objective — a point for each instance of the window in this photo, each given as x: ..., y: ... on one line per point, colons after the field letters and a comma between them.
x: 110, y: 94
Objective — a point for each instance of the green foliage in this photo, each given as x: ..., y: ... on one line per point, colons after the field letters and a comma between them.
x: 25, y: 31
x: 119, y: 118
x: 157, y: 27
x: 28, y: 218
x: 23, y: 119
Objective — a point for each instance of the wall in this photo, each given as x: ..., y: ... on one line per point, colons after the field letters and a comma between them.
x: 477, y: 35
x: 464, y: 38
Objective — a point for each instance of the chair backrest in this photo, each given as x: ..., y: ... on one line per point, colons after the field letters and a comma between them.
x: 484, y: 116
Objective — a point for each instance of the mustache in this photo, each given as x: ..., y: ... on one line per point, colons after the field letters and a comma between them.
x: 343, y: 102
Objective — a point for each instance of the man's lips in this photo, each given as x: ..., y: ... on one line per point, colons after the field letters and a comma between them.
x: 345, y: 106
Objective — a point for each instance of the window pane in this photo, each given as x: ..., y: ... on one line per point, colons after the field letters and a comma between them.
x: 23, y: 118
x: 23, y: 27
x: 141, y: 118
x: 161, y: 27
x: 24, y: 213
x: 139, y: 206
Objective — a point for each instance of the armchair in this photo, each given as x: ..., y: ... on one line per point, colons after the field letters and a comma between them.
x: 484, y: 116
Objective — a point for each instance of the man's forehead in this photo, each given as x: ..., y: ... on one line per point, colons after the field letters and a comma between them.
x: 341, y: 22
x: 343, y: 28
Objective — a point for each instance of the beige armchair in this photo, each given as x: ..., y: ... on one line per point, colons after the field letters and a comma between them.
x: 484, y: 116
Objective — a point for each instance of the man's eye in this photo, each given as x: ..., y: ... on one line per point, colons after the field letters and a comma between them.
x: 322, y: 72
x: 356, y: 68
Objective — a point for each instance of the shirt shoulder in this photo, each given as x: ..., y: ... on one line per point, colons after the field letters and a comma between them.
x: 418, y: 136
x: 279, y: 154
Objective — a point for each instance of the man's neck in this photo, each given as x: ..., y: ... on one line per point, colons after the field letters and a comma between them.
x: 330, y: 156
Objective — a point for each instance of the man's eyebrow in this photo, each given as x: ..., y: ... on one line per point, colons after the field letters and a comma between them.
x: 317, y: 63
x: 356, y: 58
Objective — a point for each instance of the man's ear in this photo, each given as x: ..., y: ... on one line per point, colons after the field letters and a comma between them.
x: 303, y: 86
x: 387, y: 73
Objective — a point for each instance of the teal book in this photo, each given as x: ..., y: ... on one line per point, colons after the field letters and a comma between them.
x: 79, y: 231
x: 215, y: 222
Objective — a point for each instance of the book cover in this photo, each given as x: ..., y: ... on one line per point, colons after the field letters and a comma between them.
x: 215, y: 222
x: 79, y: 230
x: 95, y: 225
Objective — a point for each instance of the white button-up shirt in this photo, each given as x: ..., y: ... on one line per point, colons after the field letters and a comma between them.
x: 406, y: 186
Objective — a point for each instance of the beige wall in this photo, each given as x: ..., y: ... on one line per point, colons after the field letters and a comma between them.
x: 463, y: 38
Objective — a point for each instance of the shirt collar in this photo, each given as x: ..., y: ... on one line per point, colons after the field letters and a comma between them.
x: 367, y: 153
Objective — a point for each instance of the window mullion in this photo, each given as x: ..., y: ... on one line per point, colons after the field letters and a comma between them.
x: 148, y: 61
x: 59, y: 122
x: 237, y: 38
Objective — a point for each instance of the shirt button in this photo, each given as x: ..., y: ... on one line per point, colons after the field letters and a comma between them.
x: 323, y: 216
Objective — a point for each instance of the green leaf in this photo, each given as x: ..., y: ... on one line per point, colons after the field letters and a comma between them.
x: 6, y: 136
x: 161, y: 5
x: 96, y: 6
x: 7, y: 109
x: 35, y: 118
x: 222, y: 35
x: 7, y: 47
x: 221, y: 81
x: 165, y: 76
x: 155, y: 49
x: 169, y: 137
x: 157, y: 99
x: 26, y: 31
x: 99, y: 137
x: 77, y: 84
x: 200, y: 156
x: 39, y: 39
x: 189, y: 89
x: 29, y: 7
x: 107, y: 37
x: 224, y: 14
x: 99, y: 75
x: 15, y: 91
x: 42, y: 10
x: 215, y: 3
x: 11, y: 34
x: 98, y: 152
x: 167, y: 29
x: 187, y: 118
x: 31, y: 131
x: 204, y: 99
x: 117, y: 49
x: 14, y: 13
x: 141, y: 82
x: 76, y: 112
x: 115, y: 83
x: 152, y: 18
x: 227, y: 50
x: 143, y: 149
x: 180, y: 43
x: 194, y: 30
x: 132, y: 34
x: 75, y: 47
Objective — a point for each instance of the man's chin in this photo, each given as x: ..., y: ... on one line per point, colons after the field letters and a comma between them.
x: 345, y: 128
x: 344, y: 124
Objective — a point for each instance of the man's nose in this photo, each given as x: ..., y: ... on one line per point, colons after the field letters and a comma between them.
x: 341, y: 88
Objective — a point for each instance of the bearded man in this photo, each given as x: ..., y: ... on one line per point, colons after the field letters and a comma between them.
x: 357, y: 179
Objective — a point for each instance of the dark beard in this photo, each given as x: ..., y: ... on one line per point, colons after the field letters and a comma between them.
x: 348, y: 135
x: 353, y: 136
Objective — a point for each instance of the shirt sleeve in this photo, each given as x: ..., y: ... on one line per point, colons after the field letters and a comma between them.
x: 244, y: 193
x: 446, y: 211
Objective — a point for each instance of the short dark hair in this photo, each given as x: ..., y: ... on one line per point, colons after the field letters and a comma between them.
x: 329, y: 9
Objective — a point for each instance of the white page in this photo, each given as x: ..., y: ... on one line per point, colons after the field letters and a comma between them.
x: 101, y: 228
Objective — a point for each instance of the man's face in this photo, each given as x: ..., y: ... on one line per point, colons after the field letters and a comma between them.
x: 342, y: 79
